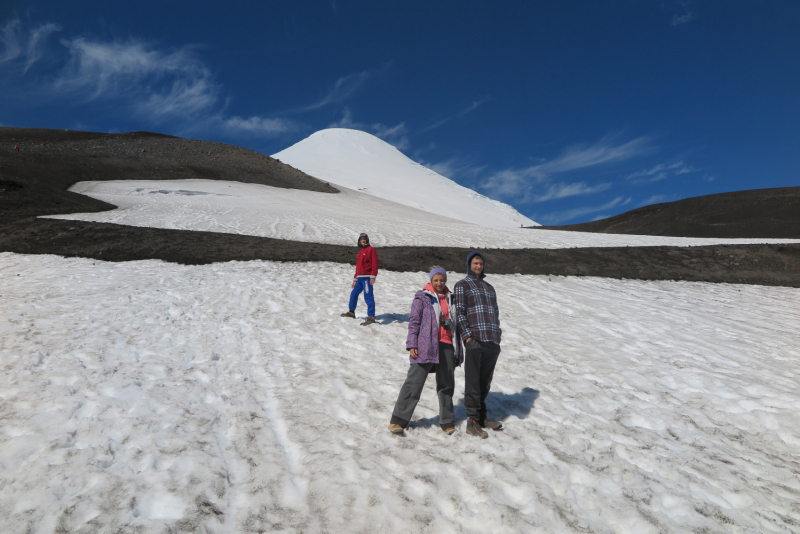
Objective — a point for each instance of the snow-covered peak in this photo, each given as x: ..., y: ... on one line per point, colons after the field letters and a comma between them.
x: 358, y: 160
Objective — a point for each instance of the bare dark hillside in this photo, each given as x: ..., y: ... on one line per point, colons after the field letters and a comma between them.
x: 752, y: 213
x: 35, y: 180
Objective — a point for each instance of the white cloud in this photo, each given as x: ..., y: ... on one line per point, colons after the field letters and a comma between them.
x: 395, y: 135
x: 259, y: 125
x: 681, y: 14
x: 25, y: 46
x: 660, y: 172
x: 562, y: 190
x: 455, y: 167
x: 385, y: 132
x: 11, y: 37
x: 346, y: 121
x: 344, y: 89
x: 469, y: 109
x: 568, y: 215
x: 155, y: 85
x: 522, y: 184
x: 162, y: 83
x: 687, y: 17
x: 36, y: 43
x: 604, y: 151
x: 655, y: 199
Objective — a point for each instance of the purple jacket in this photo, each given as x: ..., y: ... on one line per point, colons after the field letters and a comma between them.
x: 423, y: 330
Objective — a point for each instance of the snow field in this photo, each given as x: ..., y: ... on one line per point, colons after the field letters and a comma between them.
x: 360, y: 161
x: 260, y: 210
x: 146, y: 396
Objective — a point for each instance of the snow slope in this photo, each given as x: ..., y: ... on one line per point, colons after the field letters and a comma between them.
x: 260, y: 210
x: 360, y: 161
x: 231, y: 398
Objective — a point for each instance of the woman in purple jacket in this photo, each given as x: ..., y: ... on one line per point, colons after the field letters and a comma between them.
x: 433, y: 348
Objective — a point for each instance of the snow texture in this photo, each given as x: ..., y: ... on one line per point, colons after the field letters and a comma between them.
x: 260, y: 210
x: 154, y: 397
x: 360, y: 161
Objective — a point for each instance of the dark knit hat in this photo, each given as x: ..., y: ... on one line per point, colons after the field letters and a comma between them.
x: 469, y: 259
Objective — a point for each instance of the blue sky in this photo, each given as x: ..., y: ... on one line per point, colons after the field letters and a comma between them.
x: 568, y: 110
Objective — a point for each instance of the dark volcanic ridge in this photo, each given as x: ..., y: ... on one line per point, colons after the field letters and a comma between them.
x: 755, y: 213
x: 35, y: 181
x: 50, y: 161
x: 776, y: 265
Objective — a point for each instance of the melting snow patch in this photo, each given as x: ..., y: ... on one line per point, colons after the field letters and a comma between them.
x: 260, y: 210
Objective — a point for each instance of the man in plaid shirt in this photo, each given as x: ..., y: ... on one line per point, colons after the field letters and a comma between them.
x: 475, y: 302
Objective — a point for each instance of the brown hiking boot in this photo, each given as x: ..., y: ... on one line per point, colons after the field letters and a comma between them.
x: 449, y: 430
x: 350, y: 314
x: 474, y: 429
x: 492, y: 425
x: 396, y: 429
x: 370, y: 320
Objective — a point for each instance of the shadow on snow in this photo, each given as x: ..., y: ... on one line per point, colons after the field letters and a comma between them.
x: 389, y: 318
x: 500, y: 406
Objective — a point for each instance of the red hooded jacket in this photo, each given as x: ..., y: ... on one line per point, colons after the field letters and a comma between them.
x: 367, y: 262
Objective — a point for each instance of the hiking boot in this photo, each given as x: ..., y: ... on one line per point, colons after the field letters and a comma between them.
x: 370, y: 320
x: 492, y: 425
x: 350, y: 314
x: 474, y: 429
x: 449, y: 430
x: 396, y: 429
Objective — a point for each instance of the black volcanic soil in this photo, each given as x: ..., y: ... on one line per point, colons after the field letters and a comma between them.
x: 749, y: 264
x: 753, y: 213
x: 34, y: 182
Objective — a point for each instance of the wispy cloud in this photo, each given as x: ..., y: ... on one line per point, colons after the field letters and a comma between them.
x: 21, y: 46
x: 159, y: 84
x: 604, y: 151
x: 559, y: 217
x: 468, y: 109
x: 655, y: 199
x: 396, y: 135
x: 153, y: 84
x: 563, y: 190
x: 535, y: 184
x: 259, y: 125
x: 677, y: 20
x: 344, y: 89
x: 681, y: 14
x: 660, y: 172
x: 455, y: 167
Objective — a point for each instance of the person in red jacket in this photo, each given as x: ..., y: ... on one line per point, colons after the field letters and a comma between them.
x: 366, y: 271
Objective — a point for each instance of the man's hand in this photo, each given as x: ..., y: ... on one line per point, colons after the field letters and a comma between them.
x: 372, y: 281
x: 354, y: 284
x: 414, y: 353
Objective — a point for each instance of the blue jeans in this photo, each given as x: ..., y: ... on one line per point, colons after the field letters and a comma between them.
x: 362, y: 284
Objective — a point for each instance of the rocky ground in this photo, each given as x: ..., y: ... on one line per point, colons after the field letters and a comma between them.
x: 34, y: 182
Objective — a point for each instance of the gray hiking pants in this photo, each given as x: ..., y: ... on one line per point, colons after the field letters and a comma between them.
x: 415, y: 381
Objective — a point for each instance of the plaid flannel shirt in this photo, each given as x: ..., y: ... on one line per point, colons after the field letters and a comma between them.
x: 477, y: 314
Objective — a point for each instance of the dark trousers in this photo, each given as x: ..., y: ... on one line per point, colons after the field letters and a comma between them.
x: 415, y: 380
x: 479, y: 361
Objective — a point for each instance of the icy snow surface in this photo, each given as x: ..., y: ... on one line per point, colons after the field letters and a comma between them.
x: 154, y: 397
x: 358, y: 160
x: 260, y: 210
